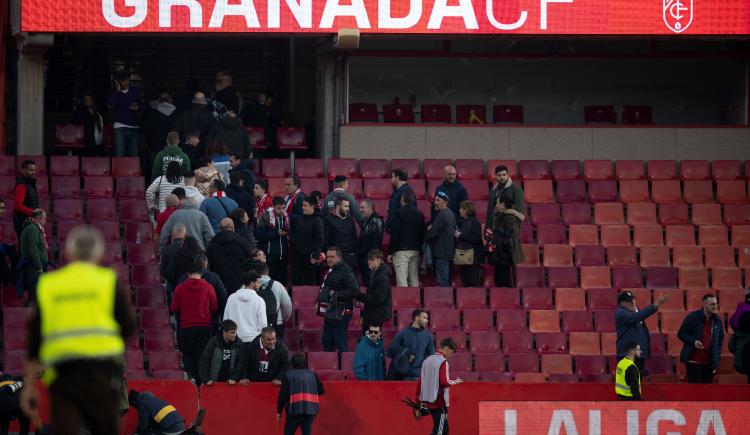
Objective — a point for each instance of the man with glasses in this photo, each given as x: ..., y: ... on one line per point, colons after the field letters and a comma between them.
x: 702, y: 334
x: 369, y: 359
x: 434, y: 383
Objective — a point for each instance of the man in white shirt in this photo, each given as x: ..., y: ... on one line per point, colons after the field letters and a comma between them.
x: 247, y: 309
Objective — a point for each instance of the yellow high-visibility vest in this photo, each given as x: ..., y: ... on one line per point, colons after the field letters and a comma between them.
x: 76, y: 305
x: 621, y: 386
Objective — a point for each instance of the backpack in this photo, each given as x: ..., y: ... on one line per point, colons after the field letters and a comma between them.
x: 272, y: 308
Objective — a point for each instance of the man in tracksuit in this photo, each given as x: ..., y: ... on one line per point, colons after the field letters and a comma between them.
x: 299, y: 395
x: 434, y: 383
x: 155, y: 416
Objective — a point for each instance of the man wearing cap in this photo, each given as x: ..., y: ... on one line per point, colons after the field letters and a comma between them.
x: 631, y: 326
x: 340, y: 187
x: 440, y: 237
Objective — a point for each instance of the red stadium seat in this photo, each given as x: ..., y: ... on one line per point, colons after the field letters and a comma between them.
x: 687, y: 256
x: 411, y: 166
x: 64, y: 166
x: 600, y: 115
x: 641, y: 213
x: 471, y: 297
x: 629, y: 170
x: 126, y: 167
x: 726, y: 170
x: 660, y: 365
x: 726, y: 278
x: 731, y: 191
x: 699, y: 192
x: 585, y: 343
x: 290, y: 138
x: 66, y: 187
x: 720, y: 256
x: 163, y: 360
x: 632, y: 191
x: 529, y: 277
x: 471, y: 114
x: 577, y: 321
x: 544, y: 321
x: 573, y: 214
x: 673, y: 214
x: 477, y: 189
x: 511, y: 320
x: 571, y: 191
x: 737, y: 214
x: 492, y: 164
x: 438, y: 297
x: 322, y: 186
x: 39, y: 161
x: 744, y: 257
x: 152, y: 297
x: 557, y: 364
x: 694, y: 298
x: 485, y: 342
x: 527, y: 233
x: 402, y: 296
x: 523, y: 363
x: 490, y: 362
x: 276, y: 168
x: 680, y: 235
x: 363, y: 112
x: 558, y: 255
x: 322, y: 361
x: 305, y: 296
x: 621, y: 256
x: 551, y: 342
x: 42, y: 186
x: 608, y: 213
x: 589, y: 255
x: 602, y: 298
x: 68, y: 209
x: 141, y: 253
x: 398, y: 113
x: 374, y: 168
x: 589, y: 364
x: 740, y: 235
x: 693, y: 278
x: 675, y: 302
x: 307, y: 320
x: 615, y: 235
x: 444, y: 318
x: 531, y: 255
x: 713, y: 235
x: 378, y: 188
x: 504, y: 113
x: 504, y: 299
x: 537, y: 298
x: 605, y: 322
x: 145, y: 276
x: 101, y: 209
x: 154, y: 318
x: 694, y: 170
x: 551, y: 234
x: 470, y: 169
x: 518, y: 342
x: 534, y: 170
x: 597, y: 170
x: 257, y: 138
x: 134, y: 364
x: 130, y: 187
x: 666, y: 191
x: 7, y: 166
x: 602, y: 191
x: 566, y: 170
x: 98, y: 187
x: 276, y: 186
x: 565, y: 277
x: 658, y: 343
x: 434, y: 169
x: 627, y: 276
x: 661, y: 277
x: 545, y: 213
x: 478, y: 319
x: 584, y: 235
x: 637, y: 115
x: 309, y: 168
x: 139, y: 232
x: 133, y: 210
x: 435, y: 113
x: 662, y: 170
x: 706, y: 214
x: 16, y: 317
x: 570, y: 299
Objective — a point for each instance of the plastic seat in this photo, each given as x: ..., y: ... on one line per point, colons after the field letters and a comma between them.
x: 322, y: 361
x: 438, y: 297
x: 506, y: 113
x: 444, y: 318
x: 145, y: 276
x: 597, y: 170
x: 558, y: 255
x: 420, y: 192
x: 608, y: 213
x: 615, y: 235
x: 510, y: 164
x: 305, y: 296
x: 693, y: 278
x: 585, y: 343
x: 562, y: 277
x: 545, y: 213
x: 662, y: 170
x: 130, y: 187
x: 374, y: 168
x: 604, y: 321
x: 308, y: 168
x: 363, y: 112
x: 726, y: 277
x: 527, y: 233
x: 276, y: 168
x: 602, y: 191
x: 68, y: 209
x: 680, y: 235
x: 490, y: 362
x: 584, y: 235
x: 632, y: 191
x: 141, y: 253
x: 110, y: 229
x: 737, y: 214
x: 346, y: 167
x: 411, y: 166
x: 551, y: 234
x: 434, y: 169
x: 462, y: 363
x: 16, y: 317
x: 673, y: 214
x: 699, y: 192
x: 66, y: 187
x: 637, y: 115
x: 713, y: 235
x: 728, y: 298
x: 478, y: 319
x: 7, y: 166
x: 566, y: 170
x: 471, y: 114
x: 740, y: 235
x: 517, y: 342
x: 126, y: 167
x: 720, y: 256
x: 64, y: 166
x: 661, y: 277
x: 276, y: 186
x: 538, y: 191
x: 629, y: 170
x: 687, y: 257
x: 726, y: 170
x: 154, y: 318
x: 706, y: 214
x: 98, y: 187
x: 731, y: 191
x: 675, y: 302
x: 531, y: 255
x: 42, y: 186
x: 290, y: 138
x: 537, y: 298
x: 576, y: 214
x: 544, y: 321
x: 660, y: 365
x: 152, y: 297
x: 308, y: 320
x: 471, y: 297
x: 64, y: 227
x: 641, y: 213
x: 602, y: 298
x: 694, y: 298
x: 523, y: 363
x: 133, y: 210
x: 470, y: 169
x: 485, y: 342
x: 570, y: 299
x: 571, y: 191
x: 619, y: 255
x: 95, y: 166
x: 666, y: 191
x: 139, y: 232
x: 557, y: 364
x: 589, y: 255
x: 551, y: 342
x: 694, y: 170
x: 435, y: 113
x: 163, y: 360
x: 533, y: 170
x: 589, y: 364
x: 511, y: 320
x: 529, y: 277
x: 377, y: 188
x: 504, y: 299
x: 577, y: 321
x: 312, y: 340
x: 744, y: 257
x: 627, y: 276
x: 477, y: 190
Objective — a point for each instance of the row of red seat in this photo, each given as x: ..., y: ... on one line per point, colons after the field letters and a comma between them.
x: 76, y: 187
x: 74, y: 166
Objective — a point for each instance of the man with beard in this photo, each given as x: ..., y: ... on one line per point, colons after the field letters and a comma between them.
x: 340, y: 231
x: 25, y: 196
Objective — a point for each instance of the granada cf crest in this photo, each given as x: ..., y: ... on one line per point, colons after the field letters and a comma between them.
x: 677, y: 14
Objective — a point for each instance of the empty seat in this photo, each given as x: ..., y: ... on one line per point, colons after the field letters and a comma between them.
x: 149, y: 296
x: 629, y: 170
x: 511, y: 320
x: 731, y: 191
x: 673, y: 214
x: 577, y: 321
x: 66, y: 187
x: 438, y: 297
x: 504, y: 299
x: 558, y: 255
x: 363, y: 112
x: 345, y: 167
x: 470, y: 297
x: 587, y: 364
x: 693, y: 278
x: 579, y: 213
x: 675, y: 302
x: 95, y: 166
x: 597, y: 170
x: 534, y: 170
x: 531, y: 255
x: 154, y: 318
x: 485, y: 342
x: 660, y: 365
x: 163, y: 363
x: 130, y: 187
x: 544, y: 321
x: 66, y: 166
x: 627, y: 276
x: 566, y: 170
x: 699, y: 192
x: 634, y: 191
x: 477, y: 190
x: 726, y: 278
x: 411, y: 166
x: 374, y: 168
x: 609, y: 342
x: 680, y: 235
x: 744, y: 257
x: 615, y: 235
x: 713, y: 235
x: 490, y: 362
x: 608, y: 213
x: 726, y: 170
x: 398, y: 113
x: 737, y: 214
x: 139, y: 232
x: 7, y: 166
x: 570, y: 299
x: 133, y: 210
x: 462, y: 362
x: 551, y: 342
x: 145, y: 276
x: 571, y: 191
x: 506, y: 113
x: 661, y: 277
x: 141, y: 253
x: 98, y: 187
x: 321, y: 185
x: 605, y: 322
x: 323, y: 360
x: 662, y: 170
x: 529, y: 277
x: 687, y: 257
x: 585, y: 343
x: 666, y: 191
x: 435, y: 113
x: 470, y: 169
x: 694, y: 170
x: 310, y: 168
x: 654, y: 256
x: 589, y: 255
x: 641, y: 213
x: 551, y: 234
x: 557, y: 364
x: 471, y: 114
x: 706, y: 214
x: 584, y: 235
x: 68, y: 209
x: 126, y: 166
x: 740, y: 235
x: 545, y: 213
x: 444, y: 318
x: 600, y: 114
x: 620, y: 255
x: 602, y: 298
x: 720, y: 256
x: 537, y: 298
x: 377, y: 188
x: 523, y: 363
x: 602, y: 191
x: 538, y: 191
x: 478, y: 319
x: 637, y: 115
x: 517, y: 342
x: 434, y: 169
x: 562, y: 277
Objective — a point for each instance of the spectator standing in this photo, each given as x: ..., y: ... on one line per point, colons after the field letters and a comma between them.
x: 171, y: 153
x: 155, y: 416
x: 126, y: 102
x: 25, y: 196
x: 742, y: 308
x: 215, y: 282
x: 294, y: 198
x: 370, y: 237
x: 87, y: 115
x: 628, y: 374
x: 246, y: 167
x: 198, y: 117
x: 340, y: 187
x: 218, y: 206
x: 247, y: 309
x: 407, y: 236
x: 434, y: 383
x: 169, y: 260
x: 410, y: 348
x: 506, y: 243
x: 341, y: 231
x: 267, y: 358
x: 454, y: 190
x: 192, y: 147
x: 400, y: 187
x: 162, y: 187
x: 225, y: 93
x: 230, y: 132
x: 262, y: 198
x: 338, y: 290
x: 194, y: 301
x: 158, y: 120
x: 274, y: 294
x: 33, y: 255
x: 702, y: 334
x: 229, y: 255
x: 206, y: 174
x: 192, y: 194
x: 255, y: 113
x: 172, y: 203
x: 196, y: 223
x: 504, y: 188
x: 308, y: 238
x: 469, y: 238
x: 299, y: 393
x: 440, y: 235
x: 739, y: 345
x: 273, y: 235
x: 630, y: 323
x: 7, y: 250
x: 236, y: 191
x: 378, y: 300
x: 258, y: 255
x: 242, y: 224
x: 369, y: 358
x: 223, y: 359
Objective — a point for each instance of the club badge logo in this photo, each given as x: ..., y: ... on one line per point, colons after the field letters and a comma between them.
x: 677, y: 14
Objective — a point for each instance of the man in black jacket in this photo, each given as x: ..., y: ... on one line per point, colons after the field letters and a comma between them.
x: 241, y: 164
x: 339, y: 284
x: 440, y: 236
x: 702, y: 334
x: 266, y: 358
x: 400, y: 187
x: 407, y: 236
x: 236, y: 190
x: 308, y: 238
x: 294, y: 198
x: 169, y: 258
x: 273, y: 239
x: 378, y: 300
x: 454, y: 190
x: 229, y: 255
x: 370, y: 237
x: 341, y: 231
x: 223, y: 359
x: 198, y: 117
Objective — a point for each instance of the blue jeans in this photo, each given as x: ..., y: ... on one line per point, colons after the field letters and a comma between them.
x: 334, y: 334
x: 443, y: 271
x: 126, y: 142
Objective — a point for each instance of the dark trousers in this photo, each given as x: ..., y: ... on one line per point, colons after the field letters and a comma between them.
x: 503, y: 275
x: 350, y: 258
x: 334, y: 334
x: 304, y: 422
x: 699, y: 373
x: 192, y: 342
x: 471, y: 276
x: 364, y: 270
x: 277, y: 269
x: 7, y: 267
x: 304, y: 272
x: 86, y: 394
x: 15, y: 414
x: 439, y: 421
x: 279, y: 331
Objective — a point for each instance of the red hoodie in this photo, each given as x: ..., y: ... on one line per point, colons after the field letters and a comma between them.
x: 195, y: 300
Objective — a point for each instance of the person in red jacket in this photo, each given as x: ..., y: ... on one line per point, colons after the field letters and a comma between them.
x: 194, y: 301
x: 434, y: 383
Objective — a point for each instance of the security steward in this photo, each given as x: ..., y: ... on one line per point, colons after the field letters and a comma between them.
x: 300, y: 395
x: 627, y: 376
x: 77, y: 333
x: 155, y: 416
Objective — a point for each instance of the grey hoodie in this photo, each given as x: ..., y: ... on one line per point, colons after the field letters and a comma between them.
x: 330, y: 204
x: 284, y: 311
x: 197, y: 224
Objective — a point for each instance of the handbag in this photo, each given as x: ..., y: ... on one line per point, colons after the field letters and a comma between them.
x: 463, y: 257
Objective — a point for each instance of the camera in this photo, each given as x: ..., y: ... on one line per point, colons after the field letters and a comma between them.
x: 14, y: 387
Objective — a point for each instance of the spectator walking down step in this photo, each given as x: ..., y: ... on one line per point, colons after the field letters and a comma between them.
x: 162, y: 187
x: 223, y: 359
x: 434, y: 384
x: 169, y: 260
x: 206, y: 174
x: 278, y: 303
x: 25, y: 196
x: 377, y: 300
x: 195, y: 222
x: 299, y: 396
x: 263, y: 200
x: 258, y: 255
x: 218, y: 206
x: 505, y: 243
x: 267, y: 358
x: 400, y: 187
x: 225, y: 93
x: 211, y: 278
x: 192, y: 194
x: 241, y: 222
x: 155, y: 416
x: 702, y: 334
x: 469, y: 239
x: 245, y: 166
x: 739, y: 345
x: 337, y: 293
x: 192, y: 147
x: 407, y: 235
x: 87, y: 115
x: 33, y: 259
x: 294, y: 198
x: 172, y: 203
x: 369, y: 358
x: 171, y: 153
x: 505, y: 188
x: 455, y: 191
x: 630, y: 323
x: 273, y: 237
x: 236, y: 191
x: 194, y: 301
x: 229, y: 255
x: 742, y: 308
x: 410, y: 348
x: 158, y: 120
x: 370, y: 237
x: 198, y: 117
x: 308, y: 238
x: 340, y: 191
x: 440, y: 235
x: 126, y: 102
x: 341, y: 231
x: 247, y: 309
x: 232, y: 134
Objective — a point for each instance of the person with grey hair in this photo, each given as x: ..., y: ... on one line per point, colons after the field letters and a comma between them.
x: 33, y: 255
x: 168, y: 263
x: 370, y: 237
x: 198, y: 118
x: 197, y: 224
x: 455, y: 192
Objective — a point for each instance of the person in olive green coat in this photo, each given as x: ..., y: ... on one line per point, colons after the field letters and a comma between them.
x: 33, y: 254
x: 171, y: 153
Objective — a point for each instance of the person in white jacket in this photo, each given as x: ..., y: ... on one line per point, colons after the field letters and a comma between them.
x: 283, y: 301
x: 247, y: 309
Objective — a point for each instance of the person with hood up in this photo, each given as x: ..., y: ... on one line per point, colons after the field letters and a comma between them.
x: 378, y: 302
x: 87, y: 115
x: 229, y: 255
x: 230, y: 132
x: 247, y: 309
x: 369, y: 358
x: 155, y: 416
x: 236, y: 190
x: 218, y: 206
x: 171, y: 153
x: 157, y: 122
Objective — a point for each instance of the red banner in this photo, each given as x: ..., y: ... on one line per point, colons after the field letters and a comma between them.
x: 544, y: 17
x: 512, y: 418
